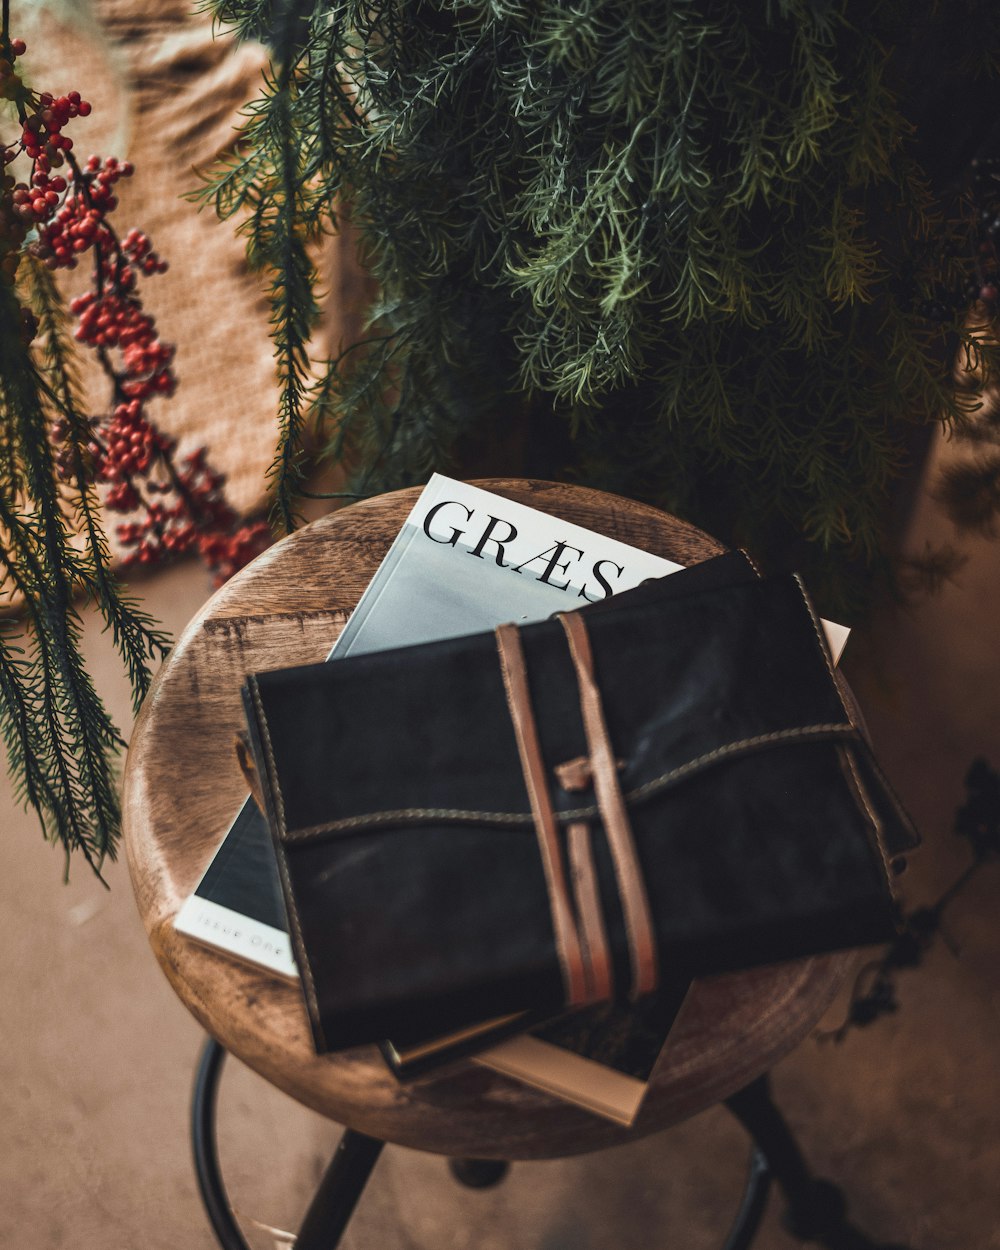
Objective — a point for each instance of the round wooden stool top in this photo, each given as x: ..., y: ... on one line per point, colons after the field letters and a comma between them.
x: 183, y: 787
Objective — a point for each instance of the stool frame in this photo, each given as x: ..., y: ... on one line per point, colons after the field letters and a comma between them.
x: 816, y: 1209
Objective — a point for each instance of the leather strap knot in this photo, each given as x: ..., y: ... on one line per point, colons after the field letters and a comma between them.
x: 578, y: 923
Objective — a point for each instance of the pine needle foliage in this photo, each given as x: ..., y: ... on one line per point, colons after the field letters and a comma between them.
x: 701, y: 239
x: 60, y: 740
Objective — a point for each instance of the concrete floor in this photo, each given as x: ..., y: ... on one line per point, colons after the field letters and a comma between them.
x: 97, y: 1055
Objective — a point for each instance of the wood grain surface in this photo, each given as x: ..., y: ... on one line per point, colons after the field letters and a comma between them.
x: 183, y: 787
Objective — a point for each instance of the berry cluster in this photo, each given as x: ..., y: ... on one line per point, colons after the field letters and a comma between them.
x: 130, y: 446
x: 42, y: 141
x: 82, y: 223
x: 42, y: 130
x: 37, y: 203
x: 116, y: 320
x: 13, y: 230
x: 11, y: 86
x: 171, y: 508
x: 193, y: 515
x: 226, y: 554
x: 32, y: 203
x: 13, y: 227
x: 223, y: 544
x: 139, y: 251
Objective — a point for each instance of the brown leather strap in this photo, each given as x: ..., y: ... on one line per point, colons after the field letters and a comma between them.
x: 631, y: 887
x: 593, y: 935
x: 515, y: 679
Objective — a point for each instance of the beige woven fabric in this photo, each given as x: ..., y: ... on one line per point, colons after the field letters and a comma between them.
x: 167, y: 96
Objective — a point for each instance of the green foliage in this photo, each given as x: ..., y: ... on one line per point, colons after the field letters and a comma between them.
x: 60, y: 741
x: 695, y: 237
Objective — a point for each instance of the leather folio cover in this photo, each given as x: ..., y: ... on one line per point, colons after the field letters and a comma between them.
x: 407, y: 837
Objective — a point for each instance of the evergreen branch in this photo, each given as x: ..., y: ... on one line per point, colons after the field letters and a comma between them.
x: 135, y: 633
x: 77, y: 733
x: 72, y: 732
x: 278, y: 239
x: 22, y: 734
x: 697, y: 236
x: 286, y: 214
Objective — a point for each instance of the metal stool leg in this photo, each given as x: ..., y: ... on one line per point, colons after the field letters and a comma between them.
x: 334, y: 1201
x: 206, y: 1153
x: 483, y: 1173
x: 752, y: 1207
x: 342, y: 1184
x: 817, y: 1208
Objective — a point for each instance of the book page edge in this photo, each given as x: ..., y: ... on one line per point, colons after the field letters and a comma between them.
x: 564, y: 1074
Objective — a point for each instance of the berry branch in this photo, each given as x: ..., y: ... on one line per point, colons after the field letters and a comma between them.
x: 58, y: 465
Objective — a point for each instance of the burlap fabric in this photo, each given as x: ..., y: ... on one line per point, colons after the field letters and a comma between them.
x: 167, y: 94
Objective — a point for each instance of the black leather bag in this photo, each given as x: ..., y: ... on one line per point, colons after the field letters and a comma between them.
x: 731, y: 814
